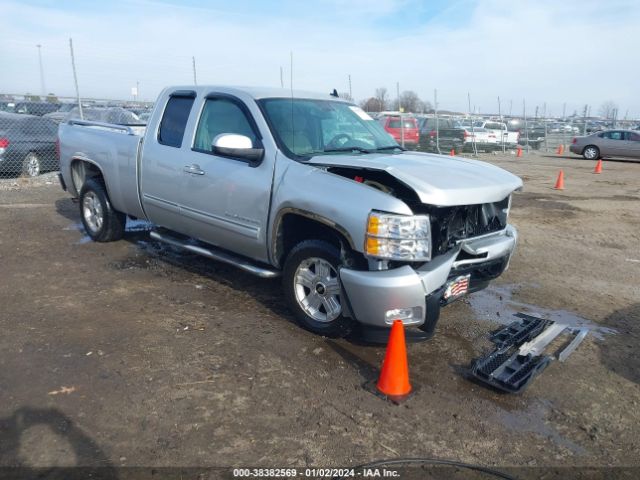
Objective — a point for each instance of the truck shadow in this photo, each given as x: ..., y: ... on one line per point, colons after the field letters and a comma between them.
x: 89, y: 460
x: 619, y: 352
x: 266, y: 291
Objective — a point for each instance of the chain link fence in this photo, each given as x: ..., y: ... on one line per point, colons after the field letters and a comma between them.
x: 461, y: 133
x: 29, y: 124
x: 29, y: 128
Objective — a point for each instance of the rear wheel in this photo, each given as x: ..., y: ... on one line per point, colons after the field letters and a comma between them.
x: 100, y: 220
x: 591, y: 152
x: 312, y: 288
x: 31, y: 165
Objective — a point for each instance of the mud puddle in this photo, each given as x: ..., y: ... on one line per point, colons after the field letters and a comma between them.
x: 132, y: 226
x: 534, y: 420
x: 496, y: 303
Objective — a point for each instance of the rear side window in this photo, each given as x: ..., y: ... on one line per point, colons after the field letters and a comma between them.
x: 613, y: 135
x: 174, y: 121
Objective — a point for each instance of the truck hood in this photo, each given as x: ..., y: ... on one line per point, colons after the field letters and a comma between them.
x: 437, y: 179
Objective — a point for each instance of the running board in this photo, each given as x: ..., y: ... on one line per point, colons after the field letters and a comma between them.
x: 215, y: 254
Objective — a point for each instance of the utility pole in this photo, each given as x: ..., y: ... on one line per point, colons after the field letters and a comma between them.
x: 473, y: 127
x: 43, y: 89
x: 75, y: 78
x: 281, y: 78
x: 503, y: 136
x: 564, y: 110
x: 544, y: 122
x: 350, y: 92
x: 193, y: 64
x: 400, y: 111
x: 137, y: 90
x: 526, y: 130
x: 435, y: 109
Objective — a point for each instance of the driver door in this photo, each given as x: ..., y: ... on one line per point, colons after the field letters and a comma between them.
x: 226, y: 199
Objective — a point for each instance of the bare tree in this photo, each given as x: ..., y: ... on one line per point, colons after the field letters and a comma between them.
x: 382, y: 98
x: 371, y: 104
x: 411, y: 103
x: 346, y: 96
x: 607, y: 109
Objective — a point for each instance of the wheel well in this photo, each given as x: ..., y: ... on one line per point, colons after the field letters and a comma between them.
x: 294, y: 228
x: 82, y: 170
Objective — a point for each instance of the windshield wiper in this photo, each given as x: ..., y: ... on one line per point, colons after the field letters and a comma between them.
x: 391, y: 147
x: 349, y: 149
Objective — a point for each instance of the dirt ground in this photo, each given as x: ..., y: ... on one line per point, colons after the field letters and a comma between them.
x: 134, y: 354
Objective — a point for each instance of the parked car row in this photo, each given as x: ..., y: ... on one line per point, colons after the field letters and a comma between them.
x: 28, y: 132
x: 27, y: 144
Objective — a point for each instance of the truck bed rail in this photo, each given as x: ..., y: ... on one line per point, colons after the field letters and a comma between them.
x: 110, y: 126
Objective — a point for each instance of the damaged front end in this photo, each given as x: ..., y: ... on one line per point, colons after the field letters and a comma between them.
x: 470, y: 245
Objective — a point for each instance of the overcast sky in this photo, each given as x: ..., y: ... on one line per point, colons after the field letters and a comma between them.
x: 574, y: 51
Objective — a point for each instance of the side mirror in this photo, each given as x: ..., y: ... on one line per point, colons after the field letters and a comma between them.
x: 236, y: 146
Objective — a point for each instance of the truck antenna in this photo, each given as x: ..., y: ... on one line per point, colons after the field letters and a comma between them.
x: 293, y: 133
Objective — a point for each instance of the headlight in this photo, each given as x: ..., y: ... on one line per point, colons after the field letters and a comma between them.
x: 398, y: 237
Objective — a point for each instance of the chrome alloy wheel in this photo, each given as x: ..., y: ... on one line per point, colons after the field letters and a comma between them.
x: 92, y: 211
x: 317, y: 289
x: 32, y: 165
x: 591, y: 153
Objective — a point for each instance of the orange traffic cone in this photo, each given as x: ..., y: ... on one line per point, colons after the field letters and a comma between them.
x: 394, y: 377
x: 598, y: 168
x: 519, y: 152
x: 560, y: 150
x: 560, y: 181
x: 452, y: 152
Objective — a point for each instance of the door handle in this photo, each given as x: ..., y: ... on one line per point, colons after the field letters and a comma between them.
x: 193, y: 169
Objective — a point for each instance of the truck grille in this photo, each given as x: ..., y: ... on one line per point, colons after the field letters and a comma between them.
x: 451, y: 224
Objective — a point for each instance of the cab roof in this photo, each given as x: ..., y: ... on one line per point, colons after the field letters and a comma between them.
x: 256, y: 93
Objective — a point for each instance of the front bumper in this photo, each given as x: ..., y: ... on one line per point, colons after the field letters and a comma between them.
x: 371, y: 294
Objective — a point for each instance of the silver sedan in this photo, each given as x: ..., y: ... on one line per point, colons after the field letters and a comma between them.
x: 610, y: 143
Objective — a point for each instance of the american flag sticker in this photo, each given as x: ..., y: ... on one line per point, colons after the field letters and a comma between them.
x: 456, y: 287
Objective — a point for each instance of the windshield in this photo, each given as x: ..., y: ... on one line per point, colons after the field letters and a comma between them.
x: 306, y: 128
x: 395, y: 123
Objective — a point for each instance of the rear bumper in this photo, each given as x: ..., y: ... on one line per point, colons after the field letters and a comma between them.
x: 575, y: 149
x: 372, y: 296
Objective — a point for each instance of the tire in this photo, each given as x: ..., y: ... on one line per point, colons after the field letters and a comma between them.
x: 31, y: 165
x: 101, y: 222
x: 591, y: 152
x: 312, y: 288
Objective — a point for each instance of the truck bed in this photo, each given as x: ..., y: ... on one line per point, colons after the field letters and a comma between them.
x: 115, y: 148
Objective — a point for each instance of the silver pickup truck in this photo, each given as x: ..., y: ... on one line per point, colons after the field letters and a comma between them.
x: 303, y: 186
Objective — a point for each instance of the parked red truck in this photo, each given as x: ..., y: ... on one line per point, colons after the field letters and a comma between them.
x: 400, y: 128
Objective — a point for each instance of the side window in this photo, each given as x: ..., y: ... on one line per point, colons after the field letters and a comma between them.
x: 221, y: 115
x: 615, y: 135
x: 632, y: 136
x: 174, y: 121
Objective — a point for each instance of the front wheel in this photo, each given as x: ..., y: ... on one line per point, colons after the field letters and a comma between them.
x: 312, y: 288
x: 591, y: 152
x: 100, y: 220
